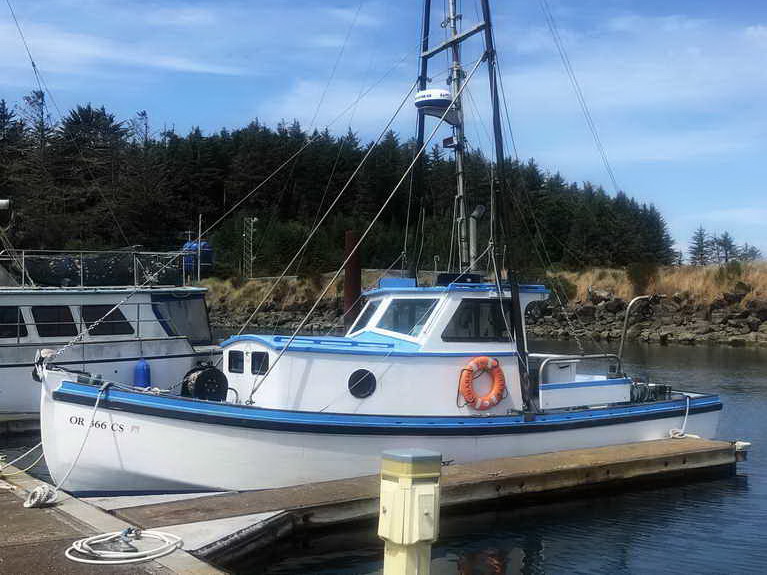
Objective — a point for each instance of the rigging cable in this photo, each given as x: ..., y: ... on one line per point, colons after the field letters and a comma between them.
x: 329, y: 210
x: 43, y: 88
x: 364, y: 235
x: 226, y: 214
x: 552, y: 25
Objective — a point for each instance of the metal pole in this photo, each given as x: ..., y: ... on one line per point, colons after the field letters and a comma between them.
x: 423, y: 78
x: 199, y: 248
x: 456, y: 77
x: 492, y: 72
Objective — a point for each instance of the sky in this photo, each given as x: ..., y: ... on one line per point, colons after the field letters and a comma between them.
x: 677, y: 90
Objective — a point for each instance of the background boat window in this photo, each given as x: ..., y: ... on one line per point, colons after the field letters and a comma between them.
x: 114, y: 324
x: 407, y: 316
x: 12, y: 322
x: 259, y: 362
x: 54, y: 321
x: 366, y: 314
x: 186, y: 315
x: 479, y: 320
x: 236, y: 361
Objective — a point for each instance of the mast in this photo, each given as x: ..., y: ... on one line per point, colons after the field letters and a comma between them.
x: 455, y: 79
x: 501, y: 216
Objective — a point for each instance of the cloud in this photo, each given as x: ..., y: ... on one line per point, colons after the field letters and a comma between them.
x: 59, y: 51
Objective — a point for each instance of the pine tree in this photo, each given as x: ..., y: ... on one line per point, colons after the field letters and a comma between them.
x: 726, y: 247
x: 699, y: 250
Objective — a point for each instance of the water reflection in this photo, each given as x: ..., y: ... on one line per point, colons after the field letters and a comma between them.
x: 711, y: 526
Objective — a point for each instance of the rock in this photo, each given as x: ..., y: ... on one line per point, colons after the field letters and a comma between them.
x: 615, y: 305
x: 702, y: 328
x: 598, y: 295
x: 758, y: 307
x: 763, y: 328
x: 732, y: 297
x: 742, y: 289
x: 586, y: 311
x: 719, y: 317
x: 753, y: 323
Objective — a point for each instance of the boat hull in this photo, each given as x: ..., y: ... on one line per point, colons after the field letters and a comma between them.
x: 148, y: 444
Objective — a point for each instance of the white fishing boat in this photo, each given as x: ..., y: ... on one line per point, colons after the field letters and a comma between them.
x: 444, y: 367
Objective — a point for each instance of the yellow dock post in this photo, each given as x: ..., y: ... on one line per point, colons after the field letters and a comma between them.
x: 408, y: 519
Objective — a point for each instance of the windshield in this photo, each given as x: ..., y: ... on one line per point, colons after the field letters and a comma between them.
x: 407, y: 316
x: 364, y: 317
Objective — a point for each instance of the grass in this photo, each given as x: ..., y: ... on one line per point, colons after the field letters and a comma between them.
x: 701, y: 284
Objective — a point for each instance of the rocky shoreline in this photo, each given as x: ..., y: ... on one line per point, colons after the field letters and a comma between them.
x: 729, y: 319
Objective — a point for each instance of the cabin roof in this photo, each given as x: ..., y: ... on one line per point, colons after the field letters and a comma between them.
x: 455, y: 287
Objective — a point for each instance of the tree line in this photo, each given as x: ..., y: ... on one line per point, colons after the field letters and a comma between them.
x: 91, y: 181
x: 706, y: 248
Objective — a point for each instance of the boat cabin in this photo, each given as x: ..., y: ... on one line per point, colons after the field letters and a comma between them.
x: 408, y: 344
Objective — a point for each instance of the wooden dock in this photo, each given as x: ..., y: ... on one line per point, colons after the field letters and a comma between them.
x: 220, y: 527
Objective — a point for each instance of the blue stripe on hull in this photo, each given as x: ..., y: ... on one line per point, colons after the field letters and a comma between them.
x: 246, y: 416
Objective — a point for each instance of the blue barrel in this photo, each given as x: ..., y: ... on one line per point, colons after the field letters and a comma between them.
x: 141, y: 374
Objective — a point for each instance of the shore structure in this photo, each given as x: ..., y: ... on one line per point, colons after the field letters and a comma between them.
x: 223, y: 528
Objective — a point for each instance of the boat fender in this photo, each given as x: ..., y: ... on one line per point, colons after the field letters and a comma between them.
x: 205, y: 382
x: 142, y: 374
x: 472, y: 371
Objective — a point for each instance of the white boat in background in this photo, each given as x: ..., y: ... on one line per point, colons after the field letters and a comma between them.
x: 287, y: 410
x: 164, y: 326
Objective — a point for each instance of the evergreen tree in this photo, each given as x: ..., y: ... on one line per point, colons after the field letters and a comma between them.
x: 727, y: 249
x: 699, y: 249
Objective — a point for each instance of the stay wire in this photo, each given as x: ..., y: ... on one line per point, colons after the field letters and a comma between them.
x: 43, y: 88
x: 328, y: 211
x: 554, y: 30
x: 364, y: 235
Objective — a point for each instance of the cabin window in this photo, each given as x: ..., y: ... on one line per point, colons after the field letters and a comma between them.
x: 479, y: 320
x: 113, y: 324
x: 12, y: 322
x: 259, y: 362
x: 184, y: 315
x: 407, y: 316
x: 54, y: 321
x: 367, y: 313
x: 236, y: 362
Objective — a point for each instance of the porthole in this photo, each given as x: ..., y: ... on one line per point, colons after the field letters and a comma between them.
x: 362, y: 383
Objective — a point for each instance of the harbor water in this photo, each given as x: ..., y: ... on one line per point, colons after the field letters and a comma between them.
x: 712, y: 526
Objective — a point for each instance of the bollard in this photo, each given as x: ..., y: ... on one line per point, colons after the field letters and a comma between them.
x: 408, y: 519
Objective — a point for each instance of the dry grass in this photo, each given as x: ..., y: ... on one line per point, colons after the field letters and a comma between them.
x: 700, y: 284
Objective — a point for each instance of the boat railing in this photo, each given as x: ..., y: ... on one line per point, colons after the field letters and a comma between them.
x: 614, y: 369
x: 90, y: 268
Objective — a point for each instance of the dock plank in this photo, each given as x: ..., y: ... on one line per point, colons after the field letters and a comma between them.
x: 334, y: 501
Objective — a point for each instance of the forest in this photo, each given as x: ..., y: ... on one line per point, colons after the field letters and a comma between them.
x: 92, y: 181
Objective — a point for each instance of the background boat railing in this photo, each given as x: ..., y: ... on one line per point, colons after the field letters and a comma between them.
x: 89, y: 268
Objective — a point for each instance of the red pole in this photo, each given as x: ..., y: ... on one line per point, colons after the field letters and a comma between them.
x: 352, y: 280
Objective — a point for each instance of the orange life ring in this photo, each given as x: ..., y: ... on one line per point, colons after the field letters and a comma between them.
x: 473, y: 370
